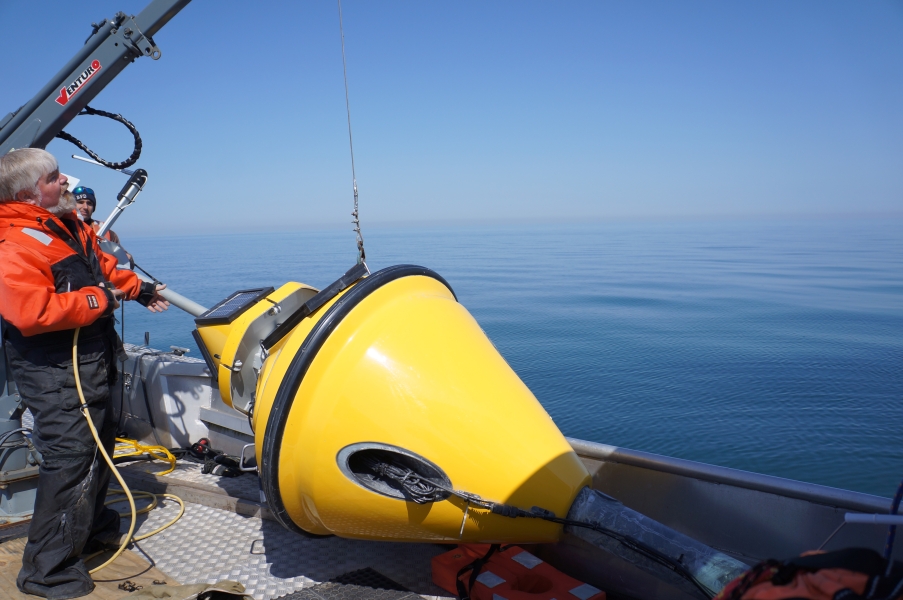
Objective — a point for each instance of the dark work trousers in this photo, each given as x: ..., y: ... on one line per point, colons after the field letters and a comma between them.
x: 69, y: 510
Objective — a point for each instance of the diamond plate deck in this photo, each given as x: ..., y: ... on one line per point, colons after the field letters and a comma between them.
x: 209, y: 544
x: 339, y: 591
x: 245, y: 486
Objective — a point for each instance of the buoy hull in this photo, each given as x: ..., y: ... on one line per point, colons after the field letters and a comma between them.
x: 395, y: 364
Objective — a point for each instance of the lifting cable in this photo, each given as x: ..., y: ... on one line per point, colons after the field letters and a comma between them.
x: 361, y: 255
x: 136, y: 152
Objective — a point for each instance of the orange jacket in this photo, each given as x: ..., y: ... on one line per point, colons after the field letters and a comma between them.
x: 51, y: 280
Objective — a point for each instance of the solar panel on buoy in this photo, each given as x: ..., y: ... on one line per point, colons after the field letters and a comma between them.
x: 228, y: 310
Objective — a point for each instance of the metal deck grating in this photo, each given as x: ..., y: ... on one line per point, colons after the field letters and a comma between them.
x: 365, y: 584
x: 208, y: 545
x: 245, y: 486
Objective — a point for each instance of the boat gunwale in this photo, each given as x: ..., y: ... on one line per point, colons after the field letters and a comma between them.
x: 770, y: 484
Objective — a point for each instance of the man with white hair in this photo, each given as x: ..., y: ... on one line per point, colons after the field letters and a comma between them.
x: 54, y: 278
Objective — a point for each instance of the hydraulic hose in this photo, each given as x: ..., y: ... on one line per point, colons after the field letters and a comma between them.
x: 149, y: 508
x: 157, y: 452
x: 103, y: 451
x: 9, y: 434
x: 127, y: 448
x: 153, y: 504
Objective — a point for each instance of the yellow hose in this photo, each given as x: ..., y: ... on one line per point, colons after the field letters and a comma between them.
x: 125, y: 489
x: 146, y: 509
x: 150, y: 507
x: 127, y: 447
x: 136, y: 494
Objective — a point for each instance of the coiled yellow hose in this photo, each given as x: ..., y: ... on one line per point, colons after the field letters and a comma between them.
x: 127, y: 447
x: 148, y: 508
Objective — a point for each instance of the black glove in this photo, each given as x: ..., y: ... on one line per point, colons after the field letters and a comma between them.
x: 146, y: 295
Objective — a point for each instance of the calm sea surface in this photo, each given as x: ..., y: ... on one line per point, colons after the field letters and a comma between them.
x: 773, y: 347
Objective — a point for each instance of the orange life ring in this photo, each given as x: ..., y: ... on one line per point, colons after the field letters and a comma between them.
x: 509, y: 574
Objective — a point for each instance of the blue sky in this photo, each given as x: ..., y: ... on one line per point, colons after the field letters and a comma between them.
x: 488, y: 111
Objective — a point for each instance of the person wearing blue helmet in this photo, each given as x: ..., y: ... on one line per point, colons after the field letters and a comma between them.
x: 86, y: 204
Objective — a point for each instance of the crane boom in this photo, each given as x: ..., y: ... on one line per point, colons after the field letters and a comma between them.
x: 114, y: 44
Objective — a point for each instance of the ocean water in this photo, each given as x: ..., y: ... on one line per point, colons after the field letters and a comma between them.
x: 770, y: 346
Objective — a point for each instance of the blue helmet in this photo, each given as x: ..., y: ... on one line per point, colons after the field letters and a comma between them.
x: 85, y: 193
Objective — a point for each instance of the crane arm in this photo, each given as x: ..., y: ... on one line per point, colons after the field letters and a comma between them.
x: 114, y: 44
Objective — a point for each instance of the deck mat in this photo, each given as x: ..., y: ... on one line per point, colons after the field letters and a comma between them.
x: 338, y: 591
x: 363, y: 584
x: 244, y: 486
x: 129, y: 566
x: 208, y: 545
x: 369, y: 578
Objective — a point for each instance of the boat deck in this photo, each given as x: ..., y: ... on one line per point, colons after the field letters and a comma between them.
x: 129, y: 568
x: 226, y: 534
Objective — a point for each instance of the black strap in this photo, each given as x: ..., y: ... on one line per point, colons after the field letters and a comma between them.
x: 322, y: 297
x: 859, y: 560
x: 475, y: 567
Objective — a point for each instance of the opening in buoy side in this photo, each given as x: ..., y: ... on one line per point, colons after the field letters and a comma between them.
x: 270, y: 437
x: 394, y: 472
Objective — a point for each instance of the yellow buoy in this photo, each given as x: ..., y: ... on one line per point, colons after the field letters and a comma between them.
x: 392, y: 368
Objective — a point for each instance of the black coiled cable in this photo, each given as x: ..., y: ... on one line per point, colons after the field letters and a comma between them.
x: 419, y: 489
x: 136, y: 153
